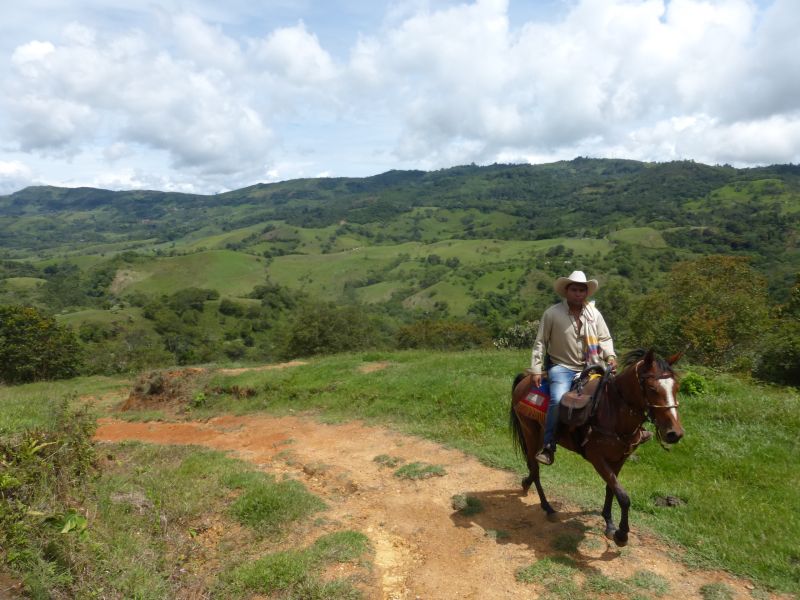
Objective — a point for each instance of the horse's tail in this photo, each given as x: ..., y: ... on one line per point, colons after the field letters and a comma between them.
x: 516, y: 427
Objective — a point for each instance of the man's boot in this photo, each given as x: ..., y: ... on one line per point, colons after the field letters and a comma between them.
x: 547, y: 454
x: 644, y: 436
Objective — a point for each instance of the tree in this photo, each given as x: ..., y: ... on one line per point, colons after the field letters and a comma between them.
x: 717, y: 305
x: 780, y: 355
x: 34, y: 347
x: 324, y: 328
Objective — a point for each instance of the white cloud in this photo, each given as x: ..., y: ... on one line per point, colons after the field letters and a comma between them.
x: 187, y: 96
x: 295, y: 56
x: 14, y: 175
x: 71, y: 94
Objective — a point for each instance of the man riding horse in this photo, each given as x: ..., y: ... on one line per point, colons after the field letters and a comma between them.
x: 572, y: 336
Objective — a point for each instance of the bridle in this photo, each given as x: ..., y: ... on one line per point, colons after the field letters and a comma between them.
x: 644, y: 378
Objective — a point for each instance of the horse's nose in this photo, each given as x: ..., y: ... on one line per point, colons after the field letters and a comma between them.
x: 673, y: 437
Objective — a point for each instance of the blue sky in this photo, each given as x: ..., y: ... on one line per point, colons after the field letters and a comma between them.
x: 205, y: 96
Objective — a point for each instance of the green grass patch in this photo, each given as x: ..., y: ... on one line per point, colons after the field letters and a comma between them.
x: 640, y: 236
x: 34, y: 405
x: 466, y: 505
x: 419, y: 470
x: 295, y: 573
x: 231, y: 273
x: 555, y: 575
x: 267, y: 506
x: 716, y: 591
x: 567, y: 542
x: 652, y: 582
x: 388, y: 461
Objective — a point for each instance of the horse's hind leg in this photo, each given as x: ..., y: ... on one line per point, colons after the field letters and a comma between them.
x: 532, y: 445
x: 533, y: 477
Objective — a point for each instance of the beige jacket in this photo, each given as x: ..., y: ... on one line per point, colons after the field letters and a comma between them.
x: 558, y: 338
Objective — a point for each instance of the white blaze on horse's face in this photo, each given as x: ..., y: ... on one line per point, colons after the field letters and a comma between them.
x: 668, y: 385
x: 666, y: 411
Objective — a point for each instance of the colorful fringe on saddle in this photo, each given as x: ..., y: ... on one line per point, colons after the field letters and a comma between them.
x: 534, y: 404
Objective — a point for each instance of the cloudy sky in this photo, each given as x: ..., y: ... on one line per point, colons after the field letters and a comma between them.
x: 204, y: 96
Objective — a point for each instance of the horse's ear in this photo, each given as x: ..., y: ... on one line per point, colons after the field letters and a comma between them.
x: 675, y: 357
x: 648, y: 359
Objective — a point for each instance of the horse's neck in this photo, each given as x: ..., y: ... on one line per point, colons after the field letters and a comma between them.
x: 623, y: 414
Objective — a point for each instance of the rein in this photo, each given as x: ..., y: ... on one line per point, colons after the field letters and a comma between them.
x: 646, y: 411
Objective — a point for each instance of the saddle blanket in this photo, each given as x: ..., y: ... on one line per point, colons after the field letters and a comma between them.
x: 534, y: 404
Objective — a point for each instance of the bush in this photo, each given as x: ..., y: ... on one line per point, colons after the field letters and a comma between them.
x: 34, y: 347
x: 442, y: 335
x: 779, y: 361
x: 519, y: 335
x: 44, y: 475
x: 693, y: 384
x: 324, y: 328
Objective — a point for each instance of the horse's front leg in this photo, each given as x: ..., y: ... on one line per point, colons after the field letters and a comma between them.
x: 611, y: 528
x: 614, y: 490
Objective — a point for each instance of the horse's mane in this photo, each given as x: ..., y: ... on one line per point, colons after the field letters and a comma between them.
x: 634, y: 356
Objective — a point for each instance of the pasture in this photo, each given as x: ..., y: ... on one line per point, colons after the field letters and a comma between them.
x: 735, y: 473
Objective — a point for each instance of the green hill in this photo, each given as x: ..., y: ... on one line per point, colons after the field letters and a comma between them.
x: 484, y: 242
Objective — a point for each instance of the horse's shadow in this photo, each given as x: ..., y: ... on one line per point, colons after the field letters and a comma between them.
x: 505, y: 516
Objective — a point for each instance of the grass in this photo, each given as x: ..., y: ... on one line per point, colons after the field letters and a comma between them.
x: 466, y: 505
x: 388, y: 461
x: 231, y: 273
x: 419, y: 470
x: 33, y: 405
x: 736, y: 469
x: 132, y: 528
x: 295, y: 573
x: 737, y: 459
x: 267, y: 506
x: 716, y: 591
x: 556, y: 575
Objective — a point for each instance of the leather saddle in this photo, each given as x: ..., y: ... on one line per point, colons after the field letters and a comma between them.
x: 577, y: 405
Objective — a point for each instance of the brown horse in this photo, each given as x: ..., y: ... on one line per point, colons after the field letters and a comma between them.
x: 645, y: 390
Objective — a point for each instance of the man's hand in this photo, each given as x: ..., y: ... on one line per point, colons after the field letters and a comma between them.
x: 612, y: 363
x: 536, y: 378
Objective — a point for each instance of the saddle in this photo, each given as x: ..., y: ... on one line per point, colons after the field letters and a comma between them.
x: 577, y: 405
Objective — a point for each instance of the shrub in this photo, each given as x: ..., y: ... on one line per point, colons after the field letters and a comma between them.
x: 519, y: 335
x: 693, y: 384
x: 324, y: 328
x: 45, y: 472
x: 442, y: 335
x: 34, y: 347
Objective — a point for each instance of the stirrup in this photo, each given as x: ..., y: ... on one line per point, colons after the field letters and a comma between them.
x: 546, y: 455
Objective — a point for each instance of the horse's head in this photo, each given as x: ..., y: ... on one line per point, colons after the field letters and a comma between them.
x: 659, y: 394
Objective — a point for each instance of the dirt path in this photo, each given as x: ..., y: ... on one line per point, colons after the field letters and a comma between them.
x: 424, y: 549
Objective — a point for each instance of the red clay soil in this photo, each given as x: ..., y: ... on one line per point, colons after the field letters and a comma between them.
x: 424, y: 549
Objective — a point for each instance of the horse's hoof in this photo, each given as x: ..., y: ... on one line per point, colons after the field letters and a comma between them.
x: 610, y: 531
x: 552, y: 516
x: 620, y: 539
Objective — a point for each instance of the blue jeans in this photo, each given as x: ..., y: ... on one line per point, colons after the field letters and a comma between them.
x: 560, y: 379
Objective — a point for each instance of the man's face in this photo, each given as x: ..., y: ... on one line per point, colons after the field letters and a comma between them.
x: 576, y: 293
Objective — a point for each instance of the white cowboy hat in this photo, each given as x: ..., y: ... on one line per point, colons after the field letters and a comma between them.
x: 560, y: 286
